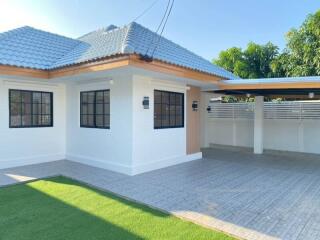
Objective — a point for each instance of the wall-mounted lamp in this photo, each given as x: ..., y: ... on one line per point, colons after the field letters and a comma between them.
x: 248, y: 95
x: 145, y: 102
x: 311, y: 95
x: 195, y: 105
x: 209, y: 109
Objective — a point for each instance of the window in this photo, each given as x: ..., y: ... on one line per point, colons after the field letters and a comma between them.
x: 30, y: 109
x: 95, y: 109
x: 168, y: 109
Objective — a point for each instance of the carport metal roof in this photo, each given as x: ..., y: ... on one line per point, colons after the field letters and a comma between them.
x: 298, y: 87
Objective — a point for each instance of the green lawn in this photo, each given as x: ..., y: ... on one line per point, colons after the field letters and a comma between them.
x: 60, y: 208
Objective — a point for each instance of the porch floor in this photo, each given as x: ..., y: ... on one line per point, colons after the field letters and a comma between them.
x: 250, y: 196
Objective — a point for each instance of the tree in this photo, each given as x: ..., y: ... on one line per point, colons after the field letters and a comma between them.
x: 253, y: 62
x: 232, y: 60
x: 259, y: 58
x: 302, y: 54
x: 281, y: 65
x: 301, y: 57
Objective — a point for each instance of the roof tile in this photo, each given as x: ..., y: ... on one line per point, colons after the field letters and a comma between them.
x: 32, y: 48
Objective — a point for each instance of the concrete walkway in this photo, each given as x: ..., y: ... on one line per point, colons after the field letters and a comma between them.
x: 250, y: 196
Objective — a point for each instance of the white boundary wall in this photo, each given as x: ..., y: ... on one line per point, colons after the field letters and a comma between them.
x: 284, y: 134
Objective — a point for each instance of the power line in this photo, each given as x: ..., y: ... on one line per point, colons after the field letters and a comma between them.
x: 164, y: 25
x: 165, y: 13
x: 145, y: 11
x: 163, y: 18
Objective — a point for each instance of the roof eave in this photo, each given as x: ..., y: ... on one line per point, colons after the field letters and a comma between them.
x: 112, y: 62
x: 279, y: 85
x: 23, y: 72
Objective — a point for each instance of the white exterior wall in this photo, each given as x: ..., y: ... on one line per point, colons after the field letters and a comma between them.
x: 105, y: 148
x: 130, y: 146
x: 23, y: 146
x: 156, y: 148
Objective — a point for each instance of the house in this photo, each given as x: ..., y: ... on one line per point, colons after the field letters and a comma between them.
x: 131, y: 101
x: 120, y: 98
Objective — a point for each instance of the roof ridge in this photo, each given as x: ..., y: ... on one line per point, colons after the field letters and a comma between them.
x: 126, y: 46
x: 111, y: 26
x: 86, y: 39
x: 84, y: 35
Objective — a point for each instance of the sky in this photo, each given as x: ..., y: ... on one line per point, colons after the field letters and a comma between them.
x: 205, y: 27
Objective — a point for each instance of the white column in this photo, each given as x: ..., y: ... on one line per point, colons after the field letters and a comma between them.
x: 258, y: 124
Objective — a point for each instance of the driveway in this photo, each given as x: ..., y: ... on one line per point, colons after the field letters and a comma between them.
x: 250, y: 196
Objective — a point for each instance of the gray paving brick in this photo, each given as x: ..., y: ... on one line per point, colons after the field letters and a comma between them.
x: 254, y: 197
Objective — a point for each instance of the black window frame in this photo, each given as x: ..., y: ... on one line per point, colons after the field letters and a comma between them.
x: 32, y: 110
x: 167, y: 126
x: 94, y: 110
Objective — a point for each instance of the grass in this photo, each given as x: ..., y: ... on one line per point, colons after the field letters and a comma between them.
x: 60, y: 208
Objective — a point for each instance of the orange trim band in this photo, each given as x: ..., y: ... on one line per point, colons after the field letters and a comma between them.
x: 112, y: 63
x: 26, y: 72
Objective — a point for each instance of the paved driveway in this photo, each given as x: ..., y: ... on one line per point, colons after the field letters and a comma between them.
x: 254, y: 197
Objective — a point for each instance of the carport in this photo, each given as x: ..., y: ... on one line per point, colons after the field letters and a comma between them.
x: 295, y: 88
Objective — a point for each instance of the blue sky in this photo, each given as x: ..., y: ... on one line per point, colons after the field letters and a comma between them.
x: 205, y: 26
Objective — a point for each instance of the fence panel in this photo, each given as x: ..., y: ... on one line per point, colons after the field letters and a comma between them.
x: 272, y: 110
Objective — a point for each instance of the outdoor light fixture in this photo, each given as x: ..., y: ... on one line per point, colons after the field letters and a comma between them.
x: 311, y: 95
x: 209, y: 109
x: 145, y: 102
x: 248, y: 95
x: 195, y: 105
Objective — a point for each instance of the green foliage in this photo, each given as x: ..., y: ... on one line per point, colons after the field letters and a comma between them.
x: 253, y: 62
x: 229, y: 58
x: 259, y: 58
x: 280, y: 65
x: 301, y: 57
x: 233, y: 99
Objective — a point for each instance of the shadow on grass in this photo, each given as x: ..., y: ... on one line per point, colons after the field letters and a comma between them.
x: 27, y: 213
x: 61, y: 208
x: 120, y: 199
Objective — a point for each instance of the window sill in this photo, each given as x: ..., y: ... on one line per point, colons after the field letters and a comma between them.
x: 95, y: 127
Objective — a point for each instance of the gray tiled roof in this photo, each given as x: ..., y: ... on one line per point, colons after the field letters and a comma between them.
x: 28, y: 47
x: 32, y: 48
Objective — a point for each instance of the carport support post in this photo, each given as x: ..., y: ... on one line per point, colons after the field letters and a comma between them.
x: 258, y: 124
